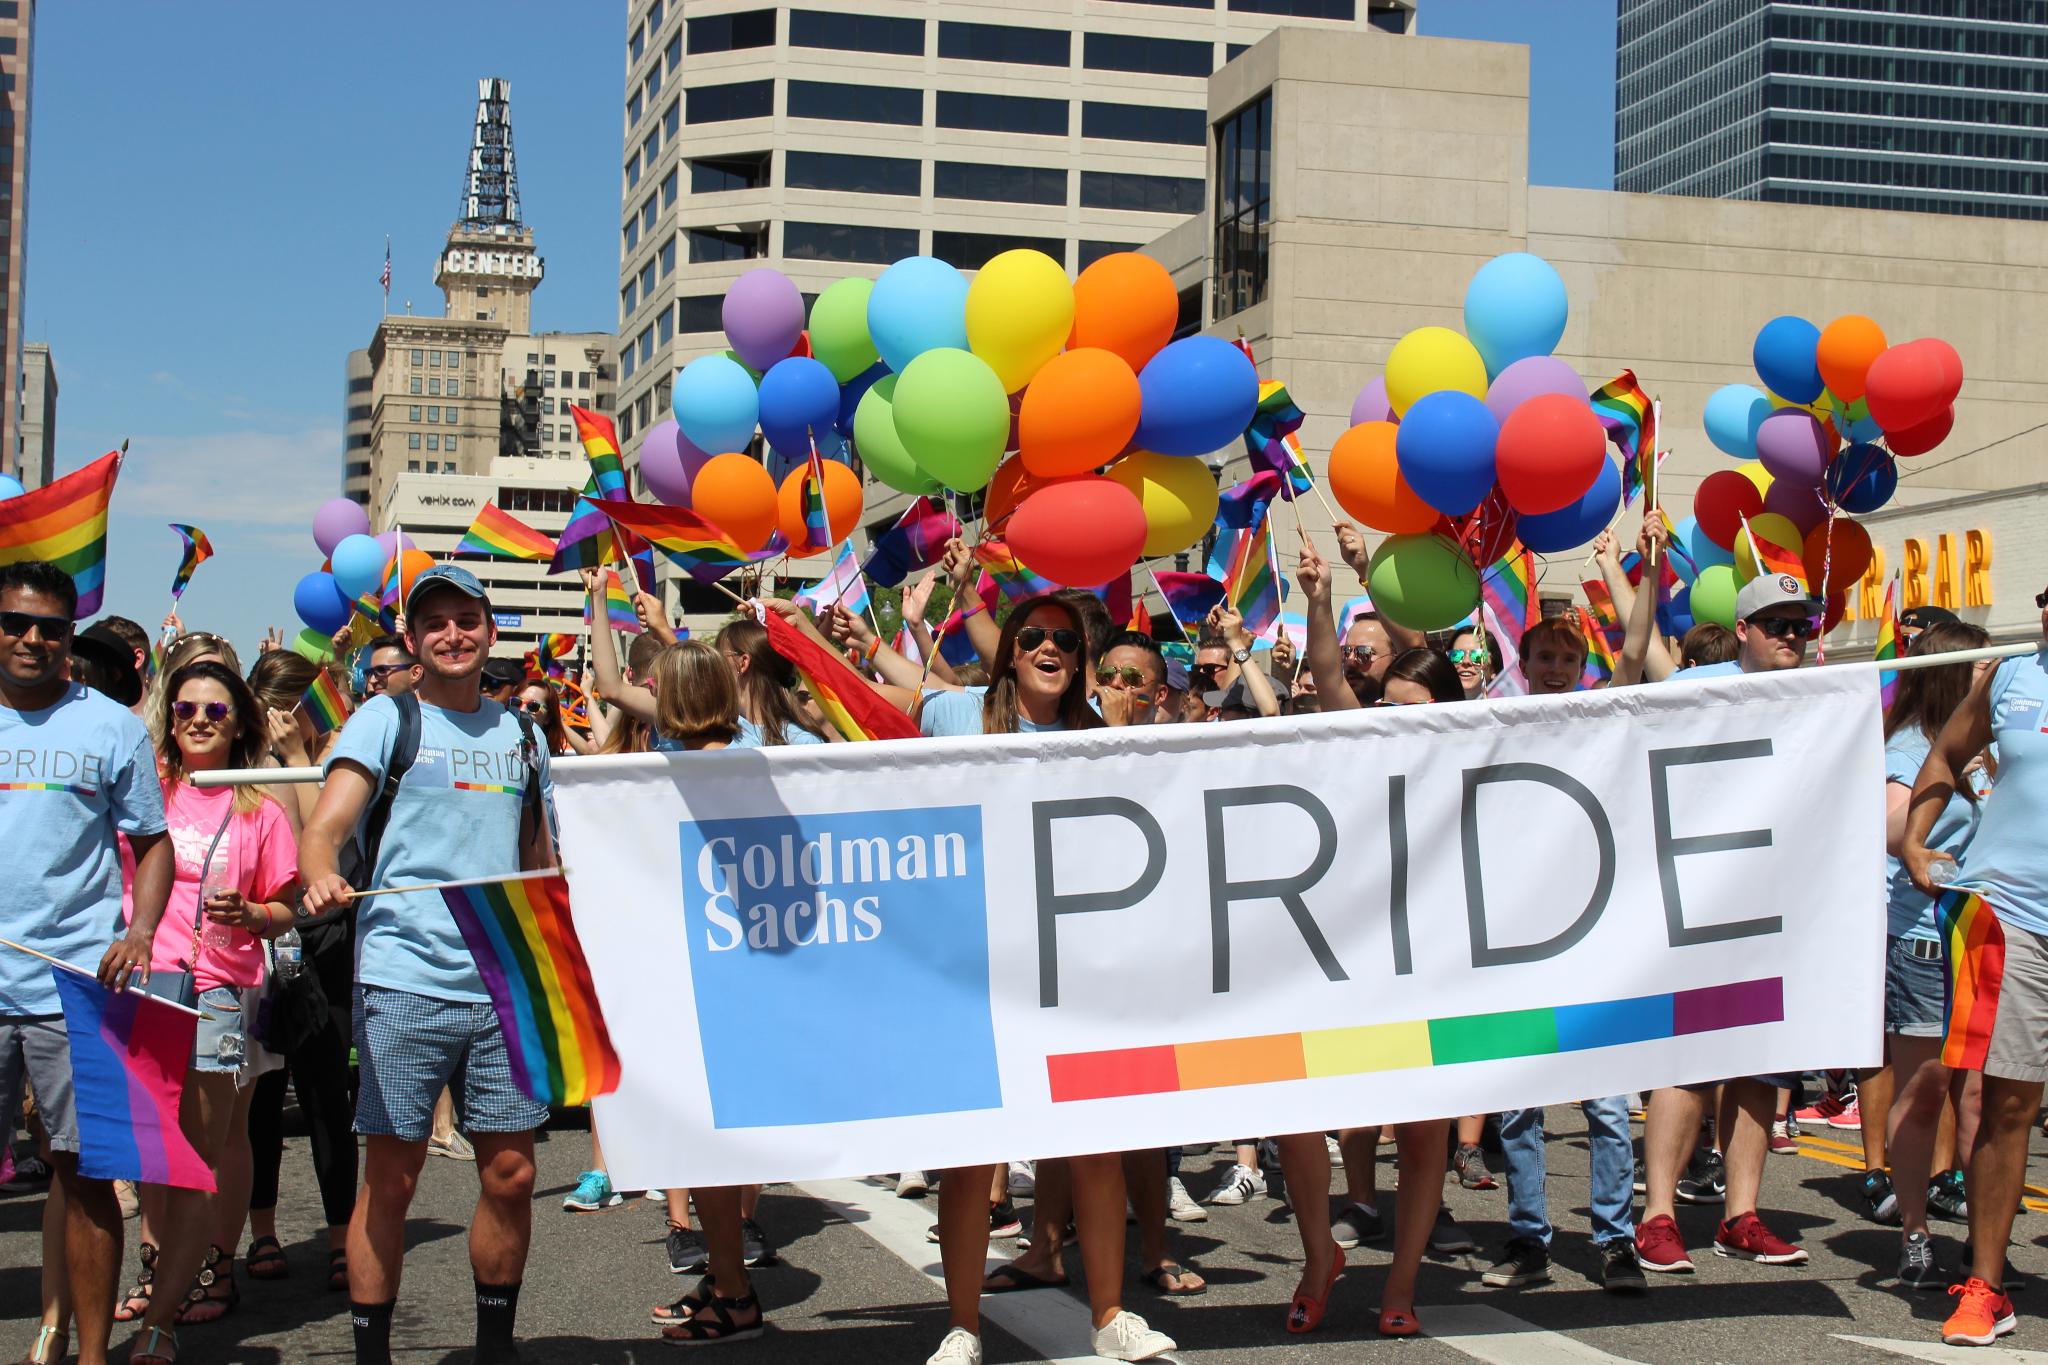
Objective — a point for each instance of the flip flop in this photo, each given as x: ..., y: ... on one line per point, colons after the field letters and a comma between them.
x: 1010, y: 1279
x: 1161, y: 1278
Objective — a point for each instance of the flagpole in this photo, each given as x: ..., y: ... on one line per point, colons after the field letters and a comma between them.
x: 1650, y: 483
x: 94, y: 976
x: 535, y: 875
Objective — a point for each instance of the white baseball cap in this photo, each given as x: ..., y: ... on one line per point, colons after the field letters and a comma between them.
x: 1769, y: 590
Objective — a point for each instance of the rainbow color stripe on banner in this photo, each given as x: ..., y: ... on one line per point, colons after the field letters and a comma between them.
x: 1412, y: 1044
x: 1975, y: 968
x: 47, y: 787
x: 66, y: 523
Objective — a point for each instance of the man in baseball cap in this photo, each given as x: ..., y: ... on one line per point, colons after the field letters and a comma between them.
x: 1912, y: 622
x: 1775, y: 615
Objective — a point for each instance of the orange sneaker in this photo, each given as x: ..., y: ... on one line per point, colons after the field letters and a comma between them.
x: 1984, y: 1315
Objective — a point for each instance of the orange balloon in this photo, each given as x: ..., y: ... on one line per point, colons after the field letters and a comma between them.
x: 842, y: 507
x: 737, y: 495
x: 1847, y: 346
x: 411, y: 564
x: 1125, y: 303
x: 1079, y: 412
x: 1367, y: 482
x: 1844, y: 560
x: 1011, y: 484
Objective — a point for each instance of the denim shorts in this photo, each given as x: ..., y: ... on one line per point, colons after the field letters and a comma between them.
x: 411, y: 1046
x: 220, y: 1043
x: 1914, y: 992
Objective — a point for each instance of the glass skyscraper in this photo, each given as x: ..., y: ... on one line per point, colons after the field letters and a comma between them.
x: 1932, y: 106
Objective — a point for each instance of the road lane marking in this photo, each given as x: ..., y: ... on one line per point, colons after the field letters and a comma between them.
x: 1934, y: 1350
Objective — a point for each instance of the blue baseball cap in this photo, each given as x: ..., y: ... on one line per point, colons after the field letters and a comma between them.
x: 446, y: 576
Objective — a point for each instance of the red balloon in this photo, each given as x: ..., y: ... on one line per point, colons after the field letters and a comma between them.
x: 1912, y: 382
x: 1720, y: 503
x: 1549, y: 453
x: 1487, y: 532
x: 1079, y: 532
x: 1923, y: 438
x: 1837, y: 607
x: 1802, y: 507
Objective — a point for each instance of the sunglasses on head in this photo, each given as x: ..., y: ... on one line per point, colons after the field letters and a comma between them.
x: 1132, y: 677
x: 19, y: 623
x: 1066, y: 641
x: 1785, y: 627
x: 216, y: 711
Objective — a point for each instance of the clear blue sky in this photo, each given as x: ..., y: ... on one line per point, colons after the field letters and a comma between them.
x: 211, y: 186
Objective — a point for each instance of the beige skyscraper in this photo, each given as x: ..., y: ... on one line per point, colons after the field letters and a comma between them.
x: 17, y: 67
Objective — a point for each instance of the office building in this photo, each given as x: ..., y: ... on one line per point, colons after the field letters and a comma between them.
x: 1922, y: 105
x: 35, y: 453
x: 17, y: 69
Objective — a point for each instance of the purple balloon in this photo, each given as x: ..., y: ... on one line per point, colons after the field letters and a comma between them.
x: 392, y: 541
x: 1794, y: 447
x: 1371, y: 404
x: 1528, y: 378
x: 336, y: 521
x: 669, y: 462
x: 1800, y: 506
x: 763, y: 316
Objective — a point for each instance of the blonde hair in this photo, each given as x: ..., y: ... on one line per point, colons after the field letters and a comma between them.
x: 696, y: 698
x: 177, y: 654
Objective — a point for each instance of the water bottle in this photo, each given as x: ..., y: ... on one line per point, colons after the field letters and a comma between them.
x: 289, y: 956
x: 1942, y: 872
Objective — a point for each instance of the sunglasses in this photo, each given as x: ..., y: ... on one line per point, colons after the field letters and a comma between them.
x: 1205, y: 670
x: 19, y: 623
x: 534, y: 708
x: 1468, y: 656
x: 1064, y: 640
x: 1785, y: 627
x: 1362, y: 653
x: 1105, y: 675
x: 379, y: 672
x: 216, y: 711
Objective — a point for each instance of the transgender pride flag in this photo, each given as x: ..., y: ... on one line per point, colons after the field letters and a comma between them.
x: 128, y: 1058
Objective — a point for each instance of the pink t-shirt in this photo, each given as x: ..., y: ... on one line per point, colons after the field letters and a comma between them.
x: 257, y: 857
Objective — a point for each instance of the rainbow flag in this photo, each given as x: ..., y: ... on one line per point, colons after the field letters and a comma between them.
x: 524, y: 942
x: 1252, y: 585
x: 1975, y: 967
x: 685, y: 537
x: 1624, y: 409
x: 817, y: 521
x: 1599, y: 653
x: 586, y: 542
x: 1009, y: 572
x: 324, y: 704
x: 1887, y: 648
x: 843, y: 586
x: 1189, y: 596
x: 854, y: 709
x: 499, y: 533
x: 1508, y: 587
x: 1271, y: 442
x: 545, y: 658
x: 1774, y: 558
x: 66, y: 523
x: 128, y: 1060
x: 916, y: 541
x: 601, y: 444
x: 618, y: 606
x: 1243, y: 505
x: 198, y: 549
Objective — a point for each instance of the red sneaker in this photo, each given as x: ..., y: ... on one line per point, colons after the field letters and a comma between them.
x: 1829, y: 1106
x: 1747, y: 1239
x: 1984, y: 1315
x: 1660, y: 1248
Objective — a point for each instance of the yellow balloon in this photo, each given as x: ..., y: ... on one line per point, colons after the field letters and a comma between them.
x: 1776, y: 529
x: 1754, y: 471
x: 1178, y: 494
x: 1020, y: 309
x: 1429, y: 359
x: 1820, y: 407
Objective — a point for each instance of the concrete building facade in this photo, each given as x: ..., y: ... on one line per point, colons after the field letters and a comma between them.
x: 17, y: 70
x: 36, y: 425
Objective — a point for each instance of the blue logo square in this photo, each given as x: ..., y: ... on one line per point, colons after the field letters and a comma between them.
x: 827, y: 950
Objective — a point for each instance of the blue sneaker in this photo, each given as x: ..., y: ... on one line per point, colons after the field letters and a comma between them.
x: 593, y: 1192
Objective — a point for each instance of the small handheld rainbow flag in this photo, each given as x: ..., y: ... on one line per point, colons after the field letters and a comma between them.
x: 1976, y: 967
x: 1508, y: 587
x: 548, y: 654
x: 198, y: 549
x: 1252, y: 587
x: 1624, y: 409
x: 587, y: 542
x: 128, y: 1061
x: 684, y: 536
x: 324, y: 704
x: 1774, y: 558
x: 1271, y: 442
x: 854, y: 709
x: 65, y: 523
x: 1599, y: 653
x: 499, y: 533
x: 524, y: 942
x: 618, y: 606
x: 817, y: 521
x: 1010, y: 573
x: 600, y: 441
x: 1189, y: 596
x: 1887, y: 648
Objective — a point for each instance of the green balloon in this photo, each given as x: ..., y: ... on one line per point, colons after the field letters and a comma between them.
x: 1713, y: 595
x: 879, y: 448
x: 839, y: 328
x: 313, y: 645
x: 1423, y: 582
x: 953, y: 417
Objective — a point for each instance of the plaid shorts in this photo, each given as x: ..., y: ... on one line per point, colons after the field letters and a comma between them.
x: 411, y: 1046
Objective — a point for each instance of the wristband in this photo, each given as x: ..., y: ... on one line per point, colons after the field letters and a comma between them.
x: 977, y: 605
x: 874, y: 648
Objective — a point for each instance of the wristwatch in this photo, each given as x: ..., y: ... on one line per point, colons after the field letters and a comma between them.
x: 1240, y: 655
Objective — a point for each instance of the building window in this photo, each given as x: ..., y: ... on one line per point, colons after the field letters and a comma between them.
x: 412, y: 440
x: 668, y: 188
x: 847, y: 242
x: 647, y: 280
x: 1153, y: 56
x: 628, y: 297
x: 973, y: 250
x: 672, y: 117
x: 722, y: 103
x: 633, y: 171
x: 433, y: 359
x: 635, y: 107
x: 668, y: 257
x: 664, y: 330
x: 856, y: 103
x: 454, y: 359
x: 731, y: 32
x: 1345, y: 10
x: 630, y: 234
x: 1142, y: 123
x: 651, y: 148
x: 448, y: 442
x: 416, y: 384
x: 700, y: 313
x: 710, y: 244
x: 856, y: 33
x: 547, y: 378
x: 1140, y: 193
x: 433, y: 413
x: 1244, y: 146
x: 851, y: 174
x: 1005, y: 184
x: 434, y: 386
x: 412, y: 466
x: 1004, y: 43
x: 413, y: 413
x: 419, y: 357
x: 433, y: 440
x: 453, y: 388
x: 1006, y: 113
x: 716, y: 175
x: 636, y: 46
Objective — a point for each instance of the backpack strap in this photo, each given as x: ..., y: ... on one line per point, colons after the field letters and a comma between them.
x: 405, y: 747
x: 530, y: 750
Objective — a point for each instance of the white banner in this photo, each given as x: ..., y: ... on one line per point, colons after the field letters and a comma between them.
x: 843, y: 959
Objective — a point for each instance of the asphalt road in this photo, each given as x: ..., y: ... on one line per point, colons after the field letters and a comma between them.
x: 854, y: 1281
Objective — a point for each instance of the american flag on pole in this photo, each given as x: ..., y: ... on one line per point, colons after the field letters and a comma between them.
x: 386, y: 277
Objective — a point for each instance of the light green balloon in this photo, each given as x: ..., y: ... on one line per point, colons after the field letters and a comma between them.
x: 1423, y: 582
x: 880, y: 449
x: 839, y: 328
x: 953, y: 417
x: 1713, y: 595
x: 313, y: 645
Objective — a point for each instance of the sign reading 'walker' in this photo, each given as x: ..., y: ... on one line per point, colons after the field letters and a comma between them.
x: 848, y: 958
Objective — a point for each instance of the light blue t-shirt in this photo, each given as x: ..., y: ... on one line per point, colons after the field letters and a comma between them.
x: 1908, y: 914
x: 1727, y: 668
x: 456, y: 814
x: 750, y: 736
x: 72, y: 776
x: 2007, y: 860
x: 954, y: 715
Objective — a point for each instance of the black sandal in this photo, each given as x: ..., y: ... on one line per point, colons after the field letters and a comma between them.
x: 211, y: 1276
x: 266, y: 1261
x: 145, y: 1284
x: 337, y: 1268
x: 686, y: 1307
x: 713, y: 1324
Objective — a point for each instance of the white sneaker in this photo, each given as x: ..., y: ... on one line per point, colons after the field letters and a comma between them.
x: 912, y: 1185
x: 1023, y: 1180
x: 1336, y: 1152
x: 655, y: 1196
x: 1240, y: 1184
x: 1128, y: 1338
x: 961, y: 1347
x: 1182, y: 1208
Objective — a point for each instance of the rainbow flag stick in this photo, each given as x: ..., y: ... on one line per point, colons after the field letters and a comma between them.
x: 450, y: 886
x: 80, y: 971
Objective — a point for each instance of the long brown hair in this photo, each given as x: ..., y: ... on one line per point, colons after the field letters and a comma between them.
x: 999, y: 703
x: 550, y: 720
x: 245, y: 749
x: 1927, y: 697
x: 768, y: 687
x: 695, y: 697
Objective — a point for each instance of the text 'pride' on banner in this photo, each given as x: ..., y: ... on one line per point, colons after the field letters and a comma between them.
x: 833, y: 960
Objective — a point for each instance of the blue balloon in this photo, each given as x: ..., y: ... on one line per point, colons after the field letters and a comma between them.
x: 10, y: 487
x: 1733, y: 414
x: 716, y: 404
x: 919, y: 304
x: 357, y: 565
x: 1515, y: 307
x: 1681, y: 539
x: 1705, y: 553
x: 799, y: 399
x: 1197, y: 395
x: 1674, y: 614
x: 320, y: 603
x: 1863, y: 429
x: 1445, y: 450
x: 1785, y: 359
x: 1569, y: 527
x: 1863, y: 478
x: 852, y: 391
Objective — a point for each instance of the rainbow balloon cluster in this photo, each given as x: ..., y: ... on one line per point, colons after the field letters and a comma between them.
x: 1818, y: 442
x: 363, y: 576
